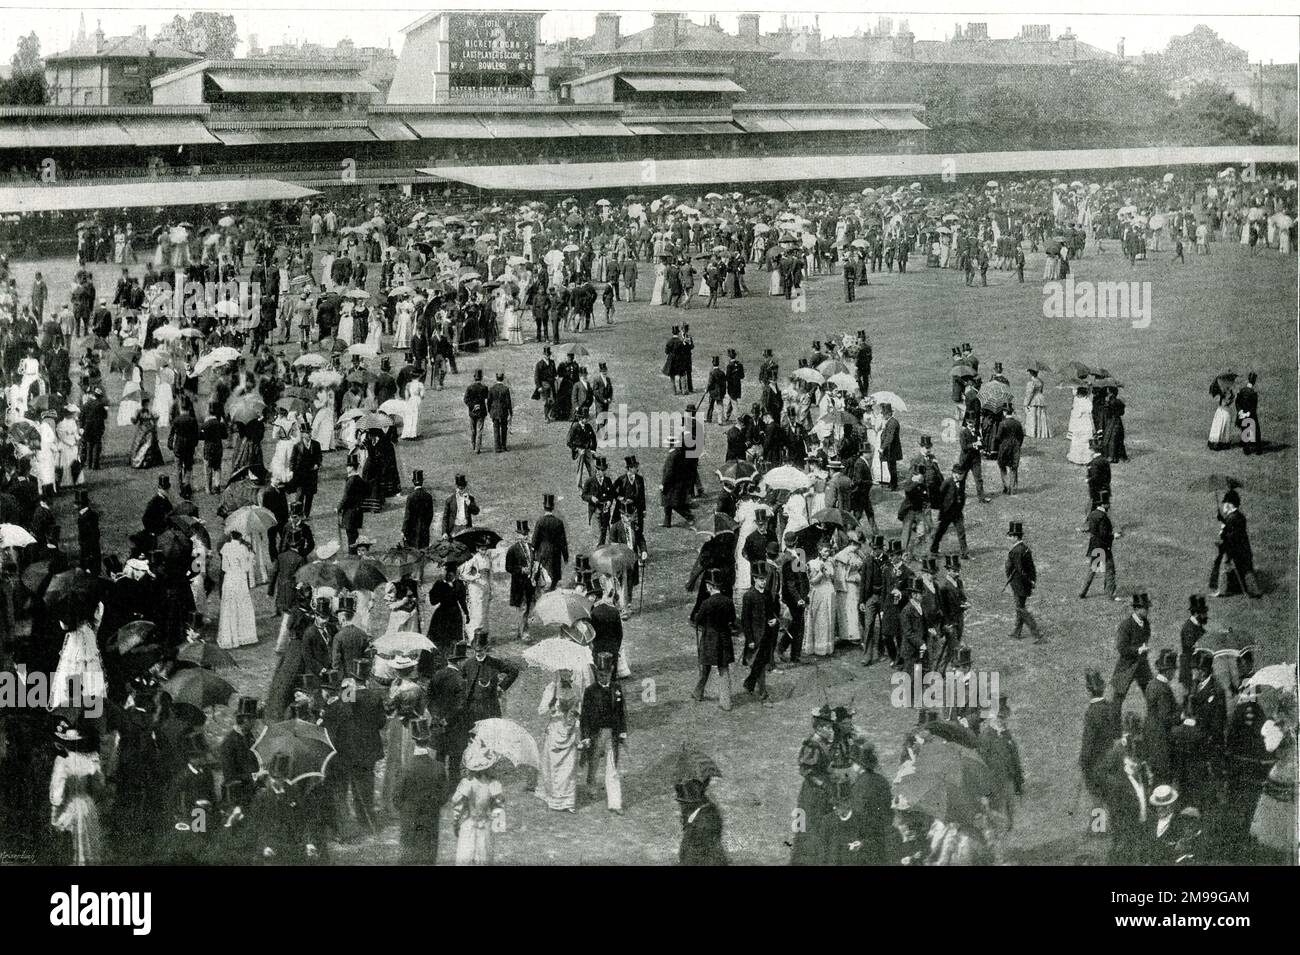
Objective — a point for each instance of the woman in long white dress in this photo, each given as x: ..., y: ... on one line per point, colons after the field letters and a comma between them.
x: 1221, y: 424
x: 657, y: 294
x: 411, y: 420
x: 76, y: 782
x: 1036, y: 424
x: 238, y: 624
x: 67, y: 458
x: 796, y: 512
x: 129, y: 404
x: 163, y: 395
x: 47, y: 453
x: 477, y: 575
x: 323, y: 422
x: 402, y: 326
x: 345, y: 330
x: 374, y: 338
x: 559, y: 782
x: 286, y: 436
x: 79, y: 677
x: 848, y: 578
x: 478, y: 808
x: 820, y: 622
x: 746, y: 518
x: 1080, y: 428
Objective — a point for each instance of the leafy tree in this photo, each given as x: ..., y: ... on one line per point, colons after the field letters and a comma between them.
x: 26, y: 87
x: 28, y: 57
x: 205, y: 31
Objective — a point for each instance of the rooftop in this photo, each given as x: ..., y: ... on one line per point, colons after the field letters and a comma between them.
x: 132, y: 46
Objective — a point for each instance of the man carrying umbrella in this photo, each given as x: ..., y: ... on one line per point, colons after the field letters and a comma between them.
x: 603, y: 727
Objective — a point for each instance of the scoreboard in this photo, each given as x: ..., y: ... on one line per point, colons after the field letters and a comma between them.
x: 492, y: 49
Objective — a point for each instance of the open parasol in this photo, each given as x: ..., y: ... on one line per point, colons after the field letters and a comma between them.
x: 364, y: 573
x: 562, y: 607
x: 508, y: 740
x: 558, y: 653
x: 450, y: 552
x: 205, y: 654
x: 786, y: 478
x: 613, y: 559
x: 307, y: 745
x: 323, y: 573
x: 888, y: 398
x: 249, y: 520
x: 403, y: 641
x: 477, y: 537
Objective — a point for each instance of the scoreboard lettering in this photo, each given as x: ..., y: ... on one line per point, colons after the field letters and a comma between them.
x: 492, y: 49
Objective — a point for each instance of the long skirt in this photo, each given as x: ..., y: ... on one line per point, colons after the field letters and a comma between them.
x: 847, y: 621
x: 820, y: 624
x: 237, y: 626
x: 1221, y: 429
x: 1036, y: 424
x: 474, y: 842
x: 399, y: 748
x: 322, y: 428
x: 657, y: 296
x: 560, y: 764
x: 774, y: 282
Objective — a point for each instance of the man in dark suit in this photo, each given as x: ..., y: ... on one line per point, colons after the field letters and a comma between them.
x: 421, y: 791
x: 486, y: 678
x: 91, y: 556
x: 417, y: 516
x: 1126, y: 788
x: 354, y: 717
x: 1248, y: 416
x: 183, y: 440
x: 476, y: 401
x: 501, y: 410
x: 351, y: 508
x: 970, y: 457
x: 951, y: 505
x: 891, y: 444
x: 1098, y: 472
x: 305, y: 464
x: 1234, y: 548
x: 1101, y: 544
x: 459, y: 510
x: 1131, y: 643
x: 1197, y: 742
x: 795, y: 587
x: 862, y: 362
x: 273, y: 500
x: 551, y: 541
x: 1100, y: 730
x: 1022, y: 576
x: 521, y: 565
x: 715, y: 623
x: 159, y: 508
x: 760, y: 619
x: 1161, y: 716
x: 1198, y: 610
x: 629, y: 493
x: 600, y: 497
x: 602, y: 388
x: 676, y: 484
x: 607, y: 623
x: 239, y: 764
x: 603, y: 727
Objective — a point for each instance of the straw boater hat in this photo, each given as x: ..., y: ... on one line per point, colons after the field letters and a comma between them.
x: 478, y: 757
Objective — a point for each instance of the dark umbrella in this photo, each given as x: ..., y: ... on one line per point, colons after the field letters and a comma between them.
x: 833, y: 515
x: 477, y: 537
x: 322, y: 573
x: 73, y: 595
x: 188, y: 524
x: 307, y: 745
x: 953, y: 732
x: 1075, y: 369
x: 198, y: 687
x: 206, y: 654
x: 450, y: 552
x: 809, y: 537
x: 132, y: 635
x: 364, y: 573
x: 36, y: 576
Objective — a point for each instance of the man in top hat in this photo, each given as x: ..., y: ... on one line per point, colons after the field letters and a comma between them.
x: 792, y: 567
x: 522, y: 566
x: 486, y: 678
x: 1235, y: 551
x: 600, y: 496
x: 355, y: 718
x: 417, y: 514
x: 735, y: 374
x: 951, y: 505
x: 715, y: 388
x: 760, y: 623
x: 351, y: 509
x: 715, y: 623
x: 602, y: 389
x: 701, y: 842
x: 1098, y: 472
x: 1101, y: 544
x: 1198, y: 610
x: 159, y: 508
x: 551, y: 541
x: 871, y: 594
x: 90, y: 554
x: 544, y: 373
x: 1100, y: 731
x: 1126, y: 787
x: 1022, y: 577
x: 305, y: 459
x: 1198, y: 740
x: 1132, y: 640
x: 912, y: 510
x: 476, y: 401
x: 1162, y: 716
x: 629, y: 493
x: 502, y: 411
x: 239, y: 764
x: 674, y: 366
x: 1248, y: 415
x: 602, y: 726
x: 183, y: 440
x: 421, y: 791
x: 459, y: 510
x: 891, y: 444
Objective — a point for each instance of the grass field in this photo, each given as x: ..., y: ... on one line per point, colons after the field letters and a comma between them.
x: 1228, y: 309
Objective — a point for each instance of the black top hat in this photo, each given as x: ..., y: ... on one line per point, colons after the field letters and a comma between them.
x: 1102, y: 498
x: 1015, y: 529
x: 927, y: 441
x: 1232, y: 497
x: 956, y: 352
x: 1167, y: 659
x: 602, y: 464
x: 767, y: 353
x: 361, y: 669
x: 347, y: 603
x: 690, y: 792
x: 717, y: 577
x: 481, y: 638
x: 803, y: 362
x: 930, y: 563
x: 1196, y: 603
x: 952, y: 561
x: 247, y: 706
x: 417, y: 477
x: 521, y: 527
x: 817, y: 345
x: 758, y: 570
x: 716, y: 361
x: 630, y: 461
x: 604, y: 662
x: 878, y: 541
x: 685, y: 327
x: 886, y: 406
x: 386, y: 364
x: 965, y: 346
x: 478, y: 374
x: 602, y: 366
x: 1141, y: 599
x: 321, y: 607
x: 461, y: 481
x: 546, y: 349
x: 83, y: 499
x: 296, y: 509
x: 310, y: 682
x: 964, y: 656
x: 997, y: 366
x: 895, y: 546
x: 548, y: 502
x: 164, y: 482
x: 677, y: 329
x: 1203, y: 660
x: 731, y: 353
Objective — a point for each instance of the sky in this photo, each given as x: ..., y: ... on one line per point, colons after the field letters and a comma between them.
x: 1262, y: 27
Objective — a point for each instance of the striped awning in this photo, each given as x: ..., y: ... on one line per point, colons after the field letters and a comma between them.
x: 597, y: 126
x: 390, y: 129
x: 683, y: 129
x: 680, y: 84
x: 270, y: 137
x: 526, y: 127
x: 897, y: 120
x: 275, y: 81
x: 151, y: 131
x: 83, y: 134
x: 456, y: 126
x: 146, y: 192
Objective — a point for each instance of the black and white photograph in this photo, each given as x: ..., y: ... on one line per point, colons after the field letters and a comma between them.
x: 563, y: 436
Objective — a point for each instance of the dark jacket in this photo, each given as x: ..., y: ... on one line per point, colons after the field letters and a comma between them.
x: 715, y: 623
x: 417, y: 518
x: 1020, y: 571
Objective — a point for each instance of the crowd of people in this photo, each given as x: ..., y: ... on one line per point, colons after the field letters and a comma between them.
x: 795, y: 557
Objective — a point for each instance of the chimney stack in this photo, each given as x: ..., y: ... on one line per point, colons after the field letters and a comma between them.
x: 747, y: 27
x: 99, y: 37
x: 1119, y: 48
x: 605, y: 39
x: 666, y: 27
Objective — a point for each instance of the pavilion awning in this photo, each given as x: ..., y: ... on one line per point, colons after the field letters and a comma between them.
x: 79, y: 134
x: 526, y: 127
x: 271, y: 137
x: 457, y: 126
x: 154, y: 131
x: 683, y: 129
x: 275, y: 81
x: 146, y: 192
x: 681, y: 84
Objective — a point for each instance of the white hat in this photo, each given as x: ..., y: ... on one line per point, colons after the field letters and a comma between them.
x: 1164, y: 795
